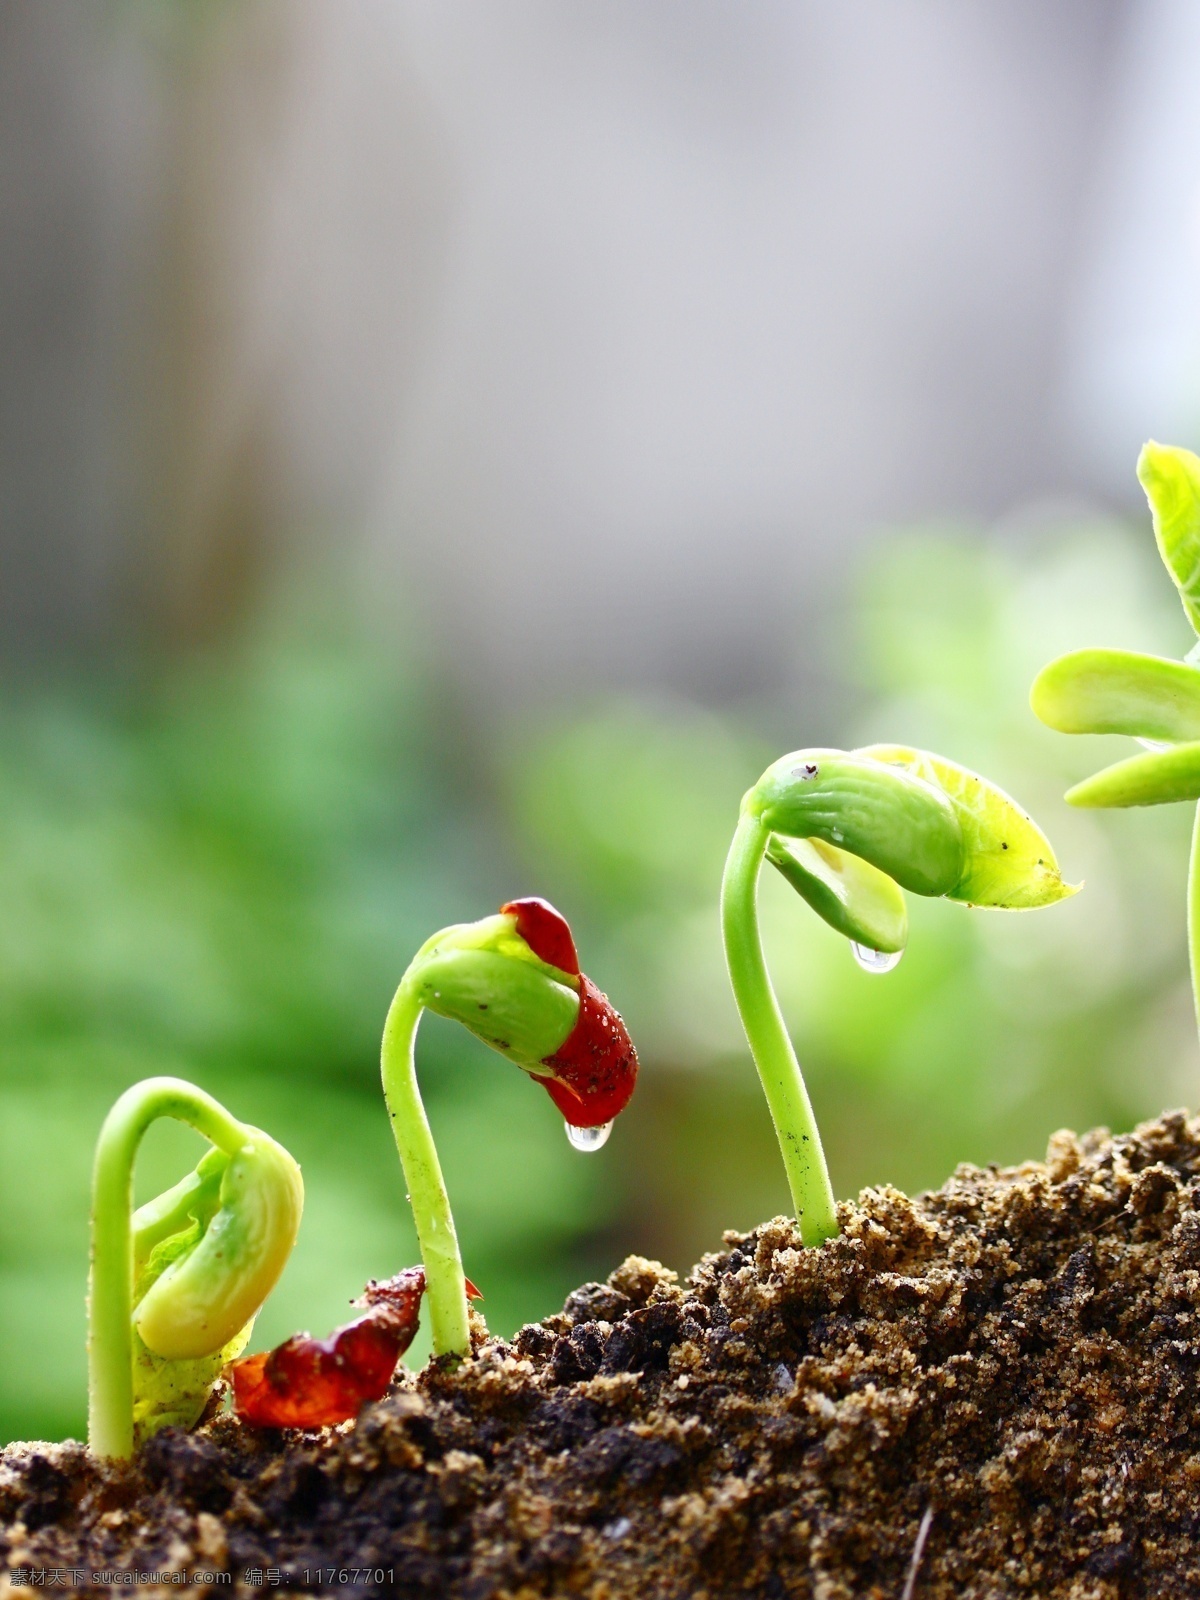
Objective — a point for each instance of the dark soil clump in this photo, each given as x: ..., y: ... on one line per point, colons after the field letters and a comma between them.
x: 1016, y: 1352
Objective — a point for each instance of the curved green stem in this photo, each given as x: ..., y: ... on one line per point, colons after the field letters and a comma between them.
x: 445, y: 1284
x: 110, y: 1296
x: 1194, y: 914
x: 782, y: 1081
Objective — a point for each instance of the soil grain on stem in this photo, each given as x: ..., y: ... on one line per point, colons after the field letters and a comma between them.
x: 1018, y: 1349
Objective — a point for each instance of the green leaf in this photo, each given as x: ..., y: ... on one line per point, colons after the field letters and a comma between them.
x: 851, y: 895
x: 898, y: 822
x: 1157, y: 778
x: 1119, y: 691
x: 187, y: 1209
x: 1171, y: 478
x: 1008, y: 862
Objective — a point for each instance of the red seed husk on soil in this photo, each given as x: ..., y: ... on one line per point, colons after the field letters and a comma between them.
x: 311, y: 1383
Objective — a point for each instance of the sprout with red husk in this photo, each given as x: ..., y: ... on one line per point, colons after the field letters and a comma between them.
x: 514, y: 981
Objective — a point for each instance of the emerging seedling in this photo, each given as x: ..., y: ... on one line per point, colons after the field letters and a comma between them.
x: 849, y: 830
x: 175, y: 1286
x: 1152, y: 698
x: 514, y: 981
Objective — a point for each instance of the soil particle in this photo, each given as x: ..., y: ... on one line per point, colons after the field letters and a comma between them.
x: 1016, y: 1354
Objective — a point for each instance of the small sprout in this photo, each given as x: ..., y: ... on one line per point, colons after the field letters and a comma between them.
x: 514, y: 981
x: 175, y: 1287
x: 314, y: 1383
x: 1149, y: 698
x: 850, y: 830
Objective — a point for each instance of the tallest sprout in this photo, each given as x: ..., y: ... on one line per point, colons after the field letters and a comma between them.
x: 849, y: 831
x: 1150, y: 698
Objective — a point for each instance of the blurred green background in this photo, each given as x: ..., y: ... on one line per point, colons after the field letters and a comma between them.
x: 219, y: 866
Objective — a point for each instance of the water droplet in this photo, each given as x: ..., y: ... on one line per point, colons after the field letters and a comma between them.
x: 875, y: 960
x: 1155, y: 744
x: 618, y: 1529
x: 588, y: 1139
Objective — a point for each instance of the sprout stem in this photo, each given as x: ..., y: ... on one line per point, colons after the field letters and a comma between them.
x: 445, y: 1284
x: 110, y: 1297
x: 782, y: 1080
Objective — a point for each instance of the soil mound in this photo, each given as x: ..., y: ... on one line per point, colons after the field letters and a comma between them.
x: 1011, y: 1360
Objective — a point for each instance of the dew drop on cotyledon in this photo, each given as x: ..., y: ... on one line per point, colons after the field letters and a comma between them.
x: 588, y: 1139
x: 875, y: 960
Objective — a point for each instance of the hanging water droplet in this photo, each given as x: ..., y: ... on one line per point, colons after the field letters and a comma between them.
x: 588, y: 1139
x: 1154, y: 744
x: 875, y: 960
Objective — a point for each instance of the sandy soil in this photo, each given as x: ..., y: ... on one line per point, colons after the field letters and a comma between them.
x: 1011, y: 1359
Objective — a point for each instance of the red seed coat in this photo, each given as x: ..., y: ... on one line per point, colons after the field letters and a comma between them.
x: 595, y: 1067
x: 546, y: 932
x: 310, y: 1383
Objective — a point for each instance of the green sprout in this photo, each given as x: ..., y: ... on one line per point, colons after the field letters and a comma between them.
x: 514, y: 981
x: 849, y: 831
x: 1151, y: 698
x: 175, y: 1286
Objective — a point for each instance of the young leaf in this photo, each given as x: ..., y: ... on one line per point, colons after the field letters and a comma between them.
x: 851, y: 895
x: 1119, y: 691
x: 1007, y: 859
x: 187, y: 1209
x: 1171, y: 478
x: 1156, y: 778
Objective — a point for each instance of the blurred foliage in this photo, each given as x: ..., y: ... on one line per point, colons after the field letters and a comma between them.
x: 221, y: 867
